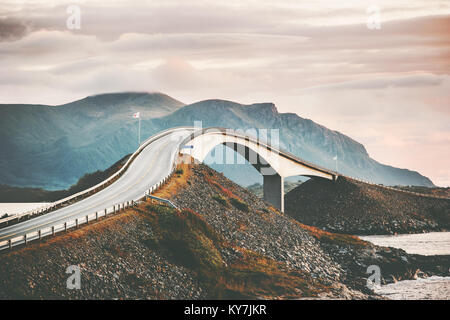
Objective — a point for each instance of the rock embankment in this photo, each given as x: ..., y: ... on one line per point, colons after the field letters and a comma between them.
x: 349, y: 206
x: 335, y: 259
x: 114, y: 262
x: 224, y: 242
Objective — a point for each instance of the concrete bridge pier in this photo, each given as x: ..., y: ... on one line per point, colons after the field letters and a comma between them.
x: 273, y: 186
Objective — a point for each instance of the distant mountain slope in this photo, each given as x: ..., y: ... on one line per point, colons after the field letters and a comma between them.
x: 17, y: 194
x: 299, y: 136
x: 51, y: 147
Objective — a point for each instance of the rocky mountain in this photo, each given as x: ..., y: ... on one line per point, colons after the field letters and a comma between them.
x: 302, y: 137
x: 51, y: 147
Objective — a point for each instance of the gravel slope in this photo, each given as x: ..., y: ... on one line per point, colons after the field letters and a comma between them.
x: 225, y: 242
x: 349, y: 206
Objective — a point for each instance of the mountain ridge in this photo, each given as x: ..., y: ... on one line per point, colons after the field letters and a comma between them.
x: 52, y: 150
x: 302, y: 137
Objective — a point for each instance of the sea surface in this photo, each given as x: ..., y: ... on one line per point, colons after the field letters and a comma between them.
x: 15, y: 208
x: 432, y: 288
x: 428, y: 244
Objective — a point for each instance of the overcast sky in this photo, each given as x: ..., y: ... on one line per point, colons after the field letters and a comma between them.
x: 388, y: 88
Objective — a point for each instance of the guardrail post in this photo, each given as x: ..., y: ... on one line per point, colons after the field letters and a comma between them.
x: 114, y: 209
x: 76, y: 223
x: 10, y: 243
x: 87, y: 219
x: 96, y: 215
x: 106, y: 212
x: 40, y: 234
x: 53, y: 230
x: 25, y: 238
x: 65, y: 226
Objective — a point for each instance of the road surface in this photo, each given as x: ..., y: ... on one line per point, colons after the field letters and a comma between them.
x: 150, y: 166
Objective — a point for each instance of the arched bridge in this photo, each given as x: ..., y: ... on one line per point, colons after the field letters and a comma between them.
x: 273, y: 163
x: 149, y: 166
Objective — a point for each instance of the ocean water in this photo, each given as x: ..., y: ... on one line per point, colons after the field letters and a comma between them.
x: 15, y: 208
x: 432, y: 288
x: 432, y: 243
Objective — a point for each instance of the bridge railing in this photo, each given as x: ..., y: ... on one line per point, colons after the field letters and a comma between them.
x: 63, y: 226
x: 257, y: 141
x: 295, y: 158
x: 100, y: 186
x: 165, y: 179
x: 162, y: 200
x: 75, y: 223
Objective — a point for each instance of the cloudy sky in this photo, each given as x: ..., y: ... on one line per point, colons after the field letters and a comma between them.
x: 388, y: 88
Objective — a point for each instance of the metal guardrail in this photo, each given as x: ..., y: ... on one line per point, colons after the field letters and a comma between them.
x: 232, y: 133
x: 293, y: 157
x: 57, y: 228
x: 52, y: 230
x: 75, y: 223
x: 165, y: 201
x: 58, y: 204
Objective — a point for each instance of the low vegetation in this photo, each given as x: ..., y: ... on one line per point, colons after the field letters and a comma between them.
x: 220, y: 200
x: 204, y: 251
x: 333, y: 238
x: 239, y: 204
x: 179, y: 179
x: 186, y: 239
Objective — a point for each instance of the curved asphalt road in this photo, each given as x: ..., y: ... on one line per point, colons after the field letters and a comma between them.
x: 150, y: 166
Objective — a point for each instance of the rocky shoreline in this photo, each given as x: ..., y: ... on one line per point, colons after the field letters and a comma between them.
x: 328, y: 256
x: 224, y: 243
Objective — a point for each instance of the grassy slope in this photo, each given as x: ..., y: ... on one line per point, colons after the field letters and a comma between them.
x: 186, y: 238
